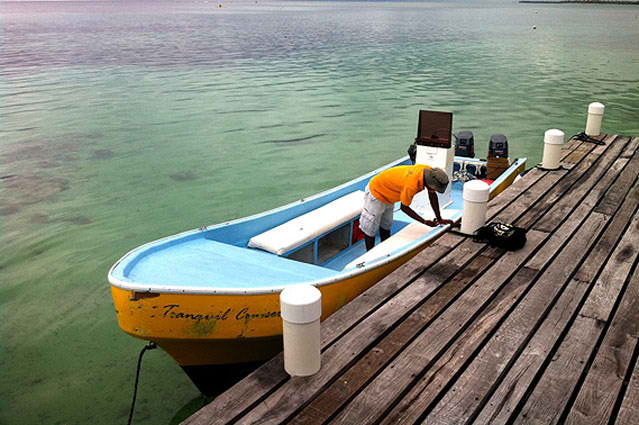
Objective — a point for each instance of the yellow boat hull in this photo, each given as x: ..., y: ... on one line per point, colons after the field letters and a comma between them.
x: 209, y: 329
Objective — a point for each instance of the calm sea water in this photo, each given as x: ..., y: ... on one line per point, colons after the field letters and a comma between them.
x: 121, y: 122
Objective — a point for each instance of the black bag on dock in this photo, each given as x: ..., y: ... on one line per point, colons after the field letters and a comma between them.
x: 501, y: 235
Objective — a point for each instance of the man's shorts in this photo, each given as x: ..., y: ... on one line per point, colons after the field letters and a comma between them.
x: 375, y: 214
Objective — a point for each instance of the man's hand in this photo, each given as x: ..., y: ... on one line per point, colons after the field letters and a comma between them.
x: 443, y: 222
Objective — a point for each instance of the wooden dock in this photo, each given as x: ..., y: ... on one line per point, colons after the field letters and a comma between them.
x: 469, y: 334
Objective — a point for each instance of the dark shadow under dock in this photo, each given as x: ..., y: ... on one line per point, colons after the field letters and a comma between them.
x: 469, y: 334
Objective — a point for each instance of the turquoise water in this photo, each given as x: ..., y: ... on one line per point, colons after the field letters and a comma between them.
x: 124, y: 122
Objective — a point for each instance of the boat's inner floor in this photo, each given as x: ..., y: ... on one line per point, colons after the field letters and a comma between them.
x: 195, y: 262
x: 343, y: 259
x: 348, y: 255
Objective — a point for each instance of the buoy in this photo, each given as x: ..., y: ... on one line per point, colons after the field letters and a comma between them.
x: 475, y: 194
x: 553, y: 140
x: 301, y: 307
x: 534, y: 27
x: 595, y: 116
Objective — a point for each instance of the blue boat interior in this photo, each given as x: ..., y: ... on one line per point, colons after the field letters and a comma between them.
x: 219, y: 257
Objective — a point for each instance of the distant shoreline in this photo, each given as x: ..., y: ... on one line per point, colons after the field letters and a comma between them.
x: 636, y: 2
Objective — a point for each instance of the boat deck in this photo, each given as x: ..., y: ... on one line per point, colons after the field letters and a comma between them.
x: 469, y: 334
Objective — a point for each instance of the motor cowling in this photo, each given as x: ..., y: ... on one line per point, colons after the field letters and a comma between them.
x: 498, y: 146
x: 465, y: 144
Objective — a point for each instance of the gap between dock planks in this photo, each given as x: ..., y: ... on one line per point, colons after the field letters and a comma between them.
x: 274, y: 397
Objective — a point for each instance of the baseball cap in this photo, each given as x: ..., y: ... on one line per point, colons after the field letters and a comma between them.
x: 436, y: 179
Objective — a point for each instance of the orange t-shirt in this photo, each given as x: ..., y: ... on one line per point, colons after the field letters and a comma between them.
x: 398, y: 183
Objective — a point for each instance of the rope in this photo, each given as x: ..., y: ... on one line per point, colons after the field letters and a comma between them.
x: 585, y: 138
x: 150, y: 346
x: 561, y: 167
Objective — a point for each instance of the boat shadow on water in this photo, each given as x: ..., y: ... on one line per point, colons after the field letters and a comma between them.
x: 213, y: 380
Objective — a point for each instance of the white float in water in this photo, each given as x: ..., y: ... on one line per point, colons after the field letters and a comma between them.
x: 553, y: 141
x: 301, y: 310
x: 595, y: 116
x: 476, y: 193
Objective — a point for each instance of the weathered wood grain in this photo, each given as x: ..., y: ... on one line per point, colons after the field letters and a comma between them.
x: 619, y: 189
x: 577, y: 180
x: 551, y: 248
x: 537, y: 262
x: 595, y: 402
x: 473, y: 388
x: 435, y: 378
x: 629, y: 411
x: 320, y: 409
x: 295, y: 393
x: 575, y: 156
x: 584, y: 206
x: 555, y: 386
x: 620, y: 219
x: 583, y: 186
x: 370, y: 404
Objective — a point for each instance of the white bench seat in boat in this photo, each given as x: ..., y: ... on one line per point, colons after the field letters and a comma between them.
x: 294, y: 233
x: 407, y: 235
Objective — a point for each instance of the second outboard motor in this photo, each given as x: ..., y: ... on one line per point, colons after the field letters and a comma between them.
x: 498, y: 146
x: 465, y: 144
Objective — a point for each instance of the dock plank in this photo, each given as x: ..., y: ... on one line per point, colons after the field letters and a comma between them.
x: 295, y: 393
x: 375, y: 399
x: 506, y: 397
x: 595, y: 402
x: 544, y: 256
x: 629, y: 411
x: 576, y: 151
x: 321, y: 409
x: 436, y: 377
x: 579, y: 179
x: 618, y: 191
x: 555, y: 386
x: 473, y: 388
x: 583, y: 186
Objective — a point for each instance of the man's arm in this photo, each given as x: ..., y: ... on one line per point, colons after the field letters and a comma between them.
x: 412, y: 214
x: 434, y: 204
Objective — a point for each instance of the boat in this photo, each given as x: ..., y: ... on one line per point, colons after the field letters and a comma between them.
x: 209, y: 297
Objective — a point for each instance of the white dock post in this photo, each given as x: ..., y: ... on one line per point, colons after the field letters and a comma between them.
x: 595, y: 116
x: 301, y: 307
x: 553, y: 140
x: 475, y: 194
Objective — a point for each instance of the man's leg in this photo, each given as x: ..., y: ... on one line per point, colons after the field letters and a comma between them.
x: 369, y: 241
x: 386, y: 223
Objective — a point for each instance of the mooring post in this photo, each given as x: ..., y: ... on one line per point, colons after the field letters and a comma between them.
x: 553, y: 141
x: 301, y: 310
x: 475, y: 194
x: 595, y: 116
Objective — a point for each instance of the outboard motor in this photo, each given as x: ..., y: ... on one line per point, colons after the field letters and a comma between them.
x: 465, y: 144
x: 498, y: 146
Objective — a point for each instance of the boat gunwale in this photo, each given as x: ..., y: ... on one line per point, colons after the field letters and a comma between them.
x: 339, y: 276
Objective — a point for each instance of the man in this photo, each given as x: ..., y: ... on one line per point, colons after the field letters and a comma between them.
x: 399, y: 184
